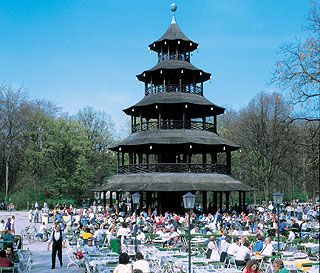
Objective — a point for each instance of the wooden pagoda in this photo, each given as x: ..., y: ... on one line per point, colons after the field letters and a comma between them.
x: 174, y: 146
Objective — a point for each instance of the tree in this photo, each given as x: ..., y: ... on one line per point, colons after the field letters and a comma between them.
x: 262, y: 131
x: 299, y: 69
x: 100, y: 132
x: 13, y: 112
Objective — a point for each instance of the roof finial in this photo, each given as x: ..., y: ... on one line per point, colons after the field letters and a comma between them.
x: 173, y: 8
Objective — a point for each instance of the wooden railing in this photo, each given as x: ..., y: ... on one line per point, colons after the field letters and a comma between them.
x: 178, y: 88
x: 173, y: 56
x: 174, y: 168
x: 173, y: 124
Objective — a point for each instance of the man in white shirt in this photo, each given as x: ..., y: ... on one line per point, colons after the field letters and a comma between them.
x: 291, y: 236
x: 141, y: 264
x: 267, y: 248
x: 57, y: 239
x: 243, y: 254
x: 234, y: 247
x: 122, y: 231
x: 41, y: 230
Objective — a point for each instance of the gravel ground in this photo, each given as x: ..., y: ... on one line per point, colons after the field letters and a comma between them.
x: 40, y: 255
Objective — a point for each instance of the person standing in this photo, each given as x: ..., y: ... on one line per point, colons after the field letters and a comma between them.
x: 57, y: 239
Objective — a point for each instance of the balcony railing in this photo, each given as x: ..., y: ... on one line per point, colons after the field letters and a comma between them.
x: 173, y: 56
x: 174, y: 168
x: 178, y: 88
x: 173, y: 124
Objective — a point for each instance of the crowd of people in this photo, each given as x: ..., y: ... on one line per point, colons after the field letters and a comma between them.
x: 230, y: 234
x: 8, y: 255
x: 229, y: 231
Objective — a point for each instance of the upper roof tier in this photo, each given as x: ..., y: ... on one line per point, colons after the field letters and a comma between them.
x: 198, y: 105
x: 174, y: 68
x: 173, y: 36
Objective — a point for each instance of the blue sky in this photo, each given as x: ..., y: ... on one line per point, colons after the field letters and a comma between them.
x: 86, y: 53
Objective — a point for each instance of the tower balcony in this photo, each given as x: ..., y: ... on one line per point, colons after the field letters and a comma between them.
x: 178, y: 88
x: 174, y: 168
x: 173, y: 124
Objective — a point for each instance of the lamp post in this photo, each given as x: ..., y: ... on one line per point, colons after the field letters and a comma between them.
x: 188, y: 203
x: 277, y: 200
x: 135, y: 200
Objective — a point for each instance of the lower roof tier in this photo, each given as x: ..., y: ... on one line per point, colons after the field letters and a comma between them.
x: 180, y: 182
x: 206, y: 139
x: 197, y: 105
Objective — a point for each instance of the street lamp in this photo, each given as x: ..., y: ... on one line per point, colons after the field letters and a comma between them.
x: 188, y: 203
x: 277, y: 200
x: 135, y: 200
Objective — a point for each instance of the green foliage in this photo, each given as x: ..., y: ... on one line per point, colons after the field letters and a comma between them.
x: 55, y: 158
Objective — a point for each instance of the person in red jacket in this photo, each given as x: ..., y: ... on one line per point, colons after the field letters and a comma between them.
x: 4, y: 260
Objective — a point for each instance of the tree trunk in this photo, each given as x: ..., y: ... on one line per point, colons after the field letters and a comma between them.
x: 7, y: 178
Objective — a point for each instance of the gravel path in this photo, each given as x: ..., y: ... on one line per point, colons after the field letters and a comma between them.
x: 40, y: 255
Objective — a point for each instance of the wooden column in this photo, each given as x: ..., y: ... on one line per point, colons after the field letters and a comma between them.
x: 204, y: 201
x: 117, y: 202
x: 122, y: 158
x: 141, y: 200
x: 244, y: 201
x: 132, y: 125
x: 215, y: 124
x: 110, y: 199
x: 204, y: 159
x: 104, y: 199
x: 221, y: 196
x: 227, y: 199
x: 159, y: 121
x: 148, y: 201
x: 229, y: 161
x: 240, y: 201
x: 215, y: 201
x: 140, y: 122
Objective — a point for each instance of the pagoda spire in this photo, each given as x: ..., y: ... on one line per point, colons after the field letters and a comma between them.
x: 173, y: 8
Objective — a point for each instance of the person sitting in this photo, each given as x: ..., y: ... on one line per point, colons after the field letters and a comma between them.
x: 41, y: 230
x: 141, y: 264
x: 90, y: 248
x: 4, y: 260
x: 252, y: 266
x: 243, y: 254
x: 278, y: 266
x: 8, y: 239
x: 175, y: 242
x: 212, y: 250
x: 124, y: 265
x: 233, y: 248
x: 258, y: 245
x: 291, y: 235
x: 12, y: 255
x: 267, y: 248
x: 224, y: 246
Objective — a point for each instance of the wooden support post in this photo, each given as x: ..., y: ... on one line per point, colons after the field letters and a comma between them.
x: 215, y: 201
x: 110, y: 199
x: 104, y: 199
x: 221, y: 196
x: 204, y: 201
x: 240, y: 201
x: 227, y: 200
x: 244, y: 201
x: 228, y: 162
